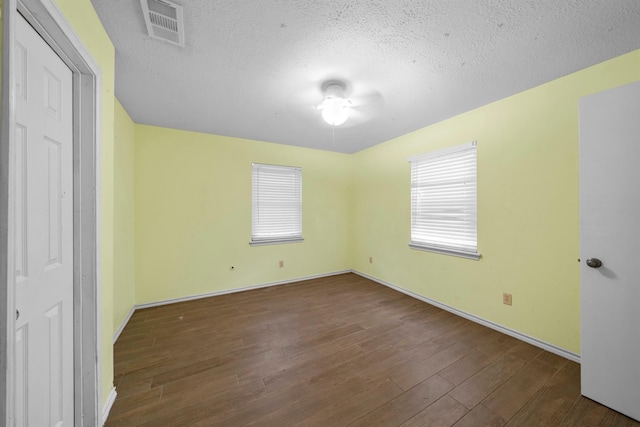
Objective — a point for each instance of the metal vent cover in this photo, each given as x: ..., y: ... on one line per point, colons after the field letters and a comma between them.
x: 164, y: 20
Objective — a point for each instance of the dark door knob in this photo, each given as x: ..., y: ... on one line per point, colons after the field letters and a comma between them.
x: 594, y: 263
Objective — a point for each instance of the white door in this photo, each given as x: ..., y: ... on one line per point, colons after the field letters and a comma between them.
x: 43, y: 237
x: 610, y: 235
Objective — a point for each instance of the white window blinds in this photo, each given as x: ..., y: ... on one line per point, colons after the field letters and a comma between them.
x: 276, y: 204
x: 443, y: 201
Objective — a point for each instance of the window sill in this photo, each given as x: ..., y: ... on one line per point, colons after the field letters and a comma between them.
x: 276, y: 241
x: 462, y: 254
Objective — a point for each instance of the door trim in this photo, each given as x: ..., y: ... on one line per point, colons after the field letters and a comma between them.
x: 50, y: 23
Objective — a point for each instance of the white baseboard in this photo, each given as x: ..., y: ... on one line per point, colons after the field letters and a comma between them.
x: 519, y: 335
x: 213, y: 294
x: 107, y: 406
x: 123, y: 324
x: 500, y: 328
x: 233, y: 291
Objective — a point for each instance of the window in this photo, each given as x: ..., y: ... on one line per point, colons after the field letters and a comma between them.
x: 276, y: 212
x: 443, y: 201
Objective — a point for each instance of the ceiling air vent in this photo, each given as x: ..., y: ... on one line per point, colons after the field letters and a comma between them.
x: 164, y: 20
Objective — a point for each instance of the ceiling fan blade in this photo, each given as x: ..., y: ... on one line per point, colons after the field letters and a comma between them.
x: 304, y: 102
x: 364, y: 96
x: 366, y: 106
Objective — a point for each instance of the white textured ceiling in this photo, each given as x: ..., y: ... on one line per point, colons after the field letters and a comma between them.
x: 245, y: 60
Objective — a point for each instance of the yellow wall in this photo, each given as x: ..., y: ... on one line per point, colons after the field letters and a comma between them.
x: 528, y: 212
x: 123, y: 217
x: 84, y: 20
x: 193, y: 214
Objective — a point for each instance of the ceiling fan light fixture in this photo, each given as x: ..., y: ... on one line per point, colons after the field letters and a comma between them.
x: 335, y: 111
x: 335, y: 108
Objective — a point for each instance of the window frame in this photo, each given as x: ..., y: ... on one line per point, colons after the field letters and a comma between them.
x: 259, y: 237
x: 465, y: 219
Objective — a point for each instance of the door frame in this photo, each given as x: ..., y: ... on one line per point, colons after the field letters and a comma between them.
x: 50, y: 23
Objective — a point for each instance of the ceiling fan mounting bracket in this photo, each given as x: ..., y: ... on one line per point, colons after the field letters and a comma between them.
x: 334, y: 87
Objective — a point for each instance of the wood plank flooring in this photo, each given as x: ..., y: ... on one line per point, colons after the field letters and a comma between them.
x: 336, y: 351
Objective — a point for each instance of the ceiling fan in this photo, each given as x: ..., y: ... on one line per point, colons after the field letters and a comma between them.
x: 337, y: 103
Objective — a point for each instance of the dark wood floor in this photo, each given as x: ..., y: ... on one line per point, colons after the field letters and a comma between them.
x: 337, y: 351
